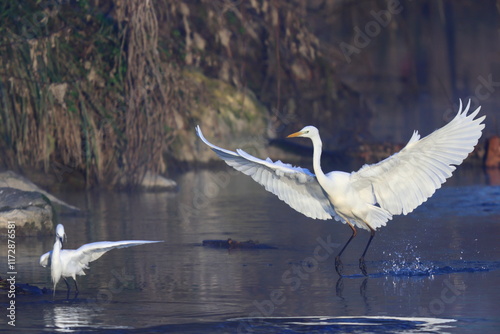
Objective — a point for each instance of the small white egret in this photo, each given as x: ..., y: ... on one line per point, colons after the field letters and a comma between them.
x: 368, y: 198
x: 71, y: 262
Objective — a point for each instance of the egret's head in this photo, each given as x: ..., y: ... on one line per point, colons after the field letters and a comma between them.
x: 308, y: 132
x: 60, y: 234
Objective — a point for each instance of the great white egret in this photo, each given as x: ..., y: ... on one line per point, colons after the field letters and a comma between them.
x: 368, y: 198
x: 71, y: 262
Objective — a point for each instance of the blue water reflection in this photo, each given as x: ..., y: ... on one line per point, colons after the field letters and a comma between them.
x: 440, y: 263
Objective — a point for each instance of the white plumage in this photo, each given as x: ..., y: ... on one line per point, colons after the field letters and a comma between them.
x: 71, y: 262
x: 367, y: 198
x: 296, y: 186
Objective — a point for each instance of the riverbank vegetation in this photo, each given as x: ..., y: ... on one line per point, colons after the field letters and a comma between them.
x: 101, y: 88
x: 97, y: 87
x: 84, y: 91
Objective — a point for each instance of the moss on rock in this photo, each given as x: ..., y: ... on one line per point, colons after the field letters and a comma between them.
x: 231, y: 117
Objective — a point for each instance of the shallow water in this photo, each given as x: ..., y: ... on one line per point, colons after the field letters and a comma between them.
x: 435, y: 270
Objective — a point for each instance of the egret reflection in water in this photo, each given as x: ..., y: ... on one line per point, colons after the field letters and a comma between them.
x: 76, y: 316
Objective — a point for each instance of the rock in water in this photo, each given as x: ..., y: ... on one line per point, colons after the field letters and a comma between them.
x: 153, y: 181
x: 13, y: 180
x: 31, y: 212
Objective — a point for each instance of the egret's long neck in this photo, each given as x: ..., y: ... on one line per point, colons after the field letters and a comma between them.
x: 55, y: 262
x: 317, y: 148
x: 56, y: 250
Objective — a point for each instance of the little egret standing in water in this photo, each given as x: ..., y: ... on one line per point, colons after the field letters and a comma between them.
x: 368, y: 198
x: 71, y: 262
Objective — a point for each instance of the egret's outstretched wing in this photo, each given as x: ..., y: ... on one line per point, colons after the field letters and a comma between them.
x: 45, y: 259
x: 406, y: 179
x: 296, y: 186
x: 91, y: 252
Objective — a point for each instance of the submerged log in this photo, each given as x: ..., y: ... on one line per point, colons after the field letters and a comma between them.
x: 21, y: 288
x: 234, y: 244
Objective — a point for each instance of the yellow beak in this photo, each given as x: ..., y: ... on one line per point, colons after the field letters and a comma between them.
x: 295, y: 134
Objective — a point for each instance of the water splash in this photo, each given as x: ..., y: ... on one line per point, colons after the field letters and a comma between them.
x: 408, y: 263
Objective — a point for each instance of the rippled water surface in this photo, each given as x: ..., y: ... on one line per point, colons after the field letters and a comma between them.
x: 436, y: 270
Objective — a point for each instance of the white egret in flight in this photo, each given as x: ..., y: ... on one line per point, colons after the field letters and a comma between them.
x: 71, y: 262
x: 368, y: 198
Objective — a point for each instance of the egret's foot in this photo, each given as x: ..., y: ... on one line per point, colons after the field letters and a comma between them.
x: 362, y: 266
x: 339, y: 267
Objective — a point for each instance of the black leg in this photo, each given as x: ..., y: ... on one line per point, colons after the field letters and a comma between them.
x: 338, y: 263
x: 76, y: 289
x: 67, y: 284
x: 362, y: 264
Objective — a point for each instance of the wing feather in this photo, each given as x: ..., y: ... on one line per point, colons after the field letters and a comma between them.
x: 76, y: 260
x: 296, y: 186
x: 45, y: 259
x: 91, y: 252
x: 408, y: 178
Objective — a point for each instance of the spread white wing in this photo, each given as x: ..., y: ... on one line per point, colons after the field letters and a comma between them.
x: 408, y: 178
x: 87, y: 253
x: 45, y: 259
x: 296, y: 186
